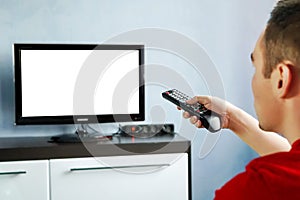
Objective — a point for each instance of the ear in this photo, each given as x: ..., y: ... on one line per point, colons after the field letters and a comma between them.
x: 282, y: 79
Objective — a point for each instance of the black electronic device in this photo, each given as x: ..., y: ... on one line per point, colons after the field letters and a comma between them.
x: 78, y: 84
x: 147, y: 130
x: 210, y: 120
x: 72, y: 138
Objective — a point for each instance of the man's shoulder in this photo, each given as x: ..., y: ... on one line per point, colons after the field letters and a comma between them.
x: 265, y: 177
x: 273, y: 161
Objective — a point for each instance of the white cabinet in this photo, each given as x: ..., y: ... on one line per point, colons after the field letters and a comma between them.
x: 24, y: 180
x: 135, y: 177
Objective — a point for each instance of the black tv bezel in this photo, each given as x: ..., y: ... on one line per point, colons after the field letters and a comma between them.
x: 73, y: 119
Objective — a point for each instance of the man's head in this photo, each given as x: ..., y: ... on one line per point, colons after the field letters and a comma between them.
x: 276, y: 59
x: 282, y: 35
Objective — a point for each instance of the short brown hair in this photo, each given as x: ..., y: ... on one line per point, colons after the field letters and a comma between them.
x: 282, y: 35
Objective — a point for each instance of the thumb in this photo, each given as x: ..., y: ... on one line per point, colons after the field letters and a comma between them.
x: 200, y: 99
x: 193, y: 100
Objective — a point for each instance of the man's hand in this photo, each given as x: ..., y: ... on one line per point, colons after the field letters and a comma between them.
x: 212, y: 103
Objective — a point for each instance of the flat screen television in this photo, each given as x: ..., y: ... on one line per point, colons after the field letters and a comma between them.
x: 78, y: 83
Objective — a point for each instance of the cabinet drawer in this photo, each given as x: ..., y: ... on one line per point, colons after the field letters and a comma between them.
x: 24, y: 180
x: 162, y: 176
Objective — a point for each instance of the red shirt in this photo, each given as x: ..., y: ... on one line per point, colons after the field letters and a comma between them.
x: 275, y: 176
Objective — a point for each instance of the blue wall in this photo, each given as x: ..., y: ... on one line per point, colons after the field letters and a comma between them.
x: 227, y: 30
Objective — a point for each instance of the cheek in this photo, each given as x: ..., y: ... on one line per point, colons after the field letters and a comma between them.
x: 254, y: 85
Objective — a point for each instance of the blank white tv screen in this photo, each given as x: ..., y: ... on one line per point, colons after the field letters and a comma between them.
x: 49, y: 79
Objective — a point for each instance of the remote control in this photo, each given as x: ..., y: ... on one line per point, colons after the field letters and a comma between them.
x: 210, y: 120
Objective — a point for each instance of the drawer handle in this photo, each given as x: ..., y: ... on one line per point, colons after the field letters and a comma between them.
x: 13, y: 173
x: 117, y: 167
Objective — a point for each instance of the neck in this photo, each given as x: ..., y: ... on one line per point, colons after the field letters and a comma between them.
x: 291, y: 121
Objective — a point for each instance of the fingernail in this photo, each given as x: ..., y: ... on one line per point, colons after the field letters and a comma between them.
x: 195, y: 119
